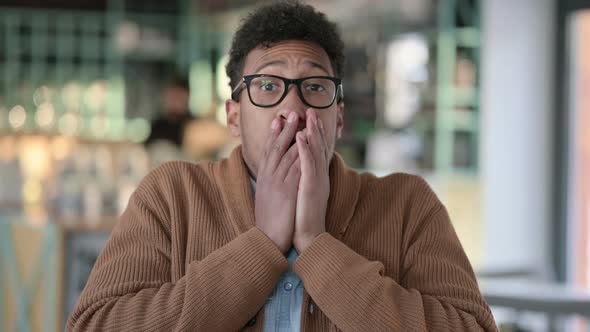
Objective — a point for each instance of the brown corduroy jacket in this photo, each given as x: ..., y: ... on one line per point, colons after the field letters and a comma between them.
x: 186, y: 256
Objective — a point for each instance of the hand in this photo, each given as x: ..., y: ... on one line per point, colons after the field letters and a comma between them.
x: 314, y: 185
x: 277, y: 182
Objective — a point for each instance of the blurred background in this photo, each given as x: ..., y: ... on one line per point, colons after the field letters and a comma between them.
x: 488, y: 100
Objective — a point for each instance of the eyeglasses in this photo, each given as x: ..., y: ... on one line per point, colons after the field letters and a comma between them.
x: 269, y: 90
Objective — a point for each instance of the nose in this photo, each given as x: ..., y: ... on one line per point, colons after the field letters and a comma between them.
x: 292, y: 103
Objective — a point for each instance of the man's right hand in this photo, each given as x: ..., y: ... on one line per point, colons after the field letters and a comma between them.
x: 277, y: 183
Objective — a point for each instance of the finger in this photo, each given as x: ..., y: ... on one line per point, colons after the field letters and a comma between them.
x: 307, y: 163
x: 294, y: 173
x: 324, y: 141
x: 287, y: 161
x: 313, y: 136
x: 282, y: 142
x: 275, y: 129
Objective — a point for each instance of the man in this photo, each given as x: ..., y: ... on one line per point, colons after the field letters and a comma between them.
x: 169, y: 126
x: 282, y: 236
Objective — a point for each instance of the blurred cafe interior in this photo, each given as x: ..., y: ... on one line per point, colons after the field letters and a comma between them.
x: 488, y: 100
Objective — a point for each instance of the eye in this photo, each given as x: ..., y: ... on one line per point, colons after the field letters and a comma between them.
x: 314, y: 87
x: 268, y: 85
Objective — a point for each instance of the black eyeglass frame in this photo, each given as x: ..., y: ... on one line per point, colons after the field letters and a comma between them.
x: 288, y: 81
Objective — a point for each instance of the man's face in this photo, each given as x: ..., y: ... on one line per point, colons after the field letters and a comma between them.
x: 289, y: 59
x: 175, y: 100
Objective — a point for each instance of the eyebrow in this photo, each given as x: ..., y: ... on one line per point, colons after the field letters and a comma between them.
x: 317, y: 65
x: 281, y: 62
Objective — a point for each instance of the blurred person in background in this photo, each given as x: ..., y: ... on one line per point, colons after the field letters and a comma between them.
x: 282, y: 235
x: 169, y: 126
x: 176, y: 134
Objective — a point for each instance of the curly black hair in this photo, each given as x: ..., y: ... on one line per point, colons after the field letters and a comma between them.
x: 280, y: 21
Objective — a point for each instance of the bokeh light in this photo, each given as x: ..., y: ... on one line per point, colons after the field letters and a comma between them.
x: 35, y: 157
x: 138, y: 130
x: 99, y: 126
x: 96, y: 95
x: 61, y: 147
x: 220, y: 114
x: 45, y: 115
x: 69, y: 124
x: 71, y: 94
x: 32, y: 191
x: 223, y: 88
x: 43, y: 94
x: 17, y: 117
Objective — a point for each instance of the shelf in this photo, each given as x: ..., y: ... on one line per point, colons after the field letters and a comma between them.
x: 465, y: 97
x: 449, y: 124
x: 462, y: 97
x: 462, y: 121
x: 103, y: 224
x: 468, y: 37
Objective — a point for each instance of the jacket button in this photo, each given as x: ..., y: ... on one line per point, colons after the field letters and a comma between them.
x: 252, y: 322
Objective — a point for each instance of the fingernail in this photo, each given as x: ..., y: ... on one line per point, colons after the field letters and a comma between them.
x: 321, y: 124
x: 274, y: 124
x: 292, y: 117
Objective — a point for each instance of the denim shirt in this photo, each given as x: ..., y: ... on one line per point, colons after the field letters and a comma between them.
x: 282, y: 311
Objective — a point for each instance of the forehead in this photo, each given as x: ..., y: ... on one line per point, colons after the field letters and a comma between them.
x: 292, y: 53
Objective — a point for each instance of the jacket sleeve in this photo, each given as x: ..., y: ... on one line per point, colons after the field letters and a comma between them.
x: 437, y: 290
x: 130, y: 286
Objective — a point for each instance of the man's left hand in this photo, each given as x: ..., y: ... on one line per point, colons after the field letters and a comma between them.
x: 314, y: 184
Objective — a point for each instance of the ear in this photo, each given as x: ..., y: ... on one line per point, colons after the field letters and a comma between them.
x: 232, y: 111
x: 339, y: 119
